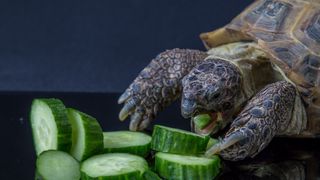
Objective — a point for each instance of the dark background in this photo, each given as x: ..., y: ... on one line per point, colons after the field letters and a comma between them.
x: 97, y: 45
x: 70, y: 49
x: 87, y: 46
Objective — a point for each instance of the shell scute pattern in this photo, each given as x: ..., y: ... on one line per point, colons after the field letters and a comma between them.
x: 270, y: 15
x: 289, y: 32
x: 309, y: 67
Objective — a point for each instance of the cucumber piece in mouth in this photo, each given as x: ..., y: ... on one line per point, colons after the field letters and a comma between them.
x: 208, y: 123
x: 201, y: 120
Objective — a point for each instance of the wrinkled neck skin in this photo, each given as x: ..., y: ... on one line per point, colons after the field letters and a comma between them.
x: 255, y: 68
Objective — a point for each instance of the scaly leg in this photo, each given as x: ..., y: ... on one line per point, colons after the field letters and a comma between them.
x: 157, y: 86
x: 267, y: 114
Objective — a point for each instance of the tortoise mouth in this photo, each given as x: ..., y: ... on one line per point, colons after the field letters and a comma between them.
x: 210, y: 127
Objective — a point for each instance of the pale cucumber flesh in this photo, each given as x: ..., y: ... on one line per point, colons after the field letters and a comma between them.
x: 53, y: 165
x: 50, y: 125
x: 127, y: 142
x: 113, y: 164
x: 182, y: 167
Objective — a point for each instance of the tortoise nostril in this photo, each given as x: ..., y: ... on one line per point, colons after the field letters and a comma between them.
x: 188, y: 107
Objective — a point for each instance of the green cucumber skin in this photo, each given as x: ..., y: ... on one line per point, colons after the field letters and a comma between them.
x: 150, y: 175
x: 93, y: 135
x: 212, y: 142
x: 37, y: 176
x: 64, y: 129
x: 164, y: 140
x: 136, y: 175
x: 201, y: 120
x: 176, y: 171
x: 142, y: 151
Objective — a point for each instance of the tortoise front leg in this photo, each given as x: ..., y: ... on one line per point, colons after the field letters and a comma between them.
x: 267, y: 114
x: 157, y: 86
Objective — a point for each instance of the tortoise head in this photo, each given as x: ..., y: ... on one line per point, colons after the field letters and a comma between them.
x: 212, y: 87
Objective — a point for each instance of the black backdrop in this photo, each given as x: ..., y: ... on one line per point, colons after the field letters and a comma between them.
x: 97, y: 45
x: 100, y: 46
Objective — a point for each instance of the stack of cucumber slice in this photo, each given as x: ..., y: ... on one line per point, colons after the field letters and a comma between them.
x: 180, y: 155
x: 166, y: 139
x: 71, y: 145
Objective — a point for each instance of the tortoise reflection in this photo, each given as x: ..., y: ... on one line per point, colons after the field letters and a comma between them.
x: 282, y: 161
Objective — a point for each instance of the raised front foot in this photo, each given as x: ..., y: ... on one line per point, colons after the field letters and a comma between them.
x: 157, y: 86
x: 267, y: 114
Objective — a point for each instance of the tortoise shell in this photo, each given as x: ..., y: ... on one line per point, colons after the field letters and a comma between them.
x: 289, y: 32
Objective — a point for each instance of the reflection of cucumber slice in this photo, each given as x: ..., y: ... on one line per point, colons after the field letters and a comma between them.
x: 128, y: 142
x: 201, y: 120
x: 53, y: 165
x: 114, y: 166
x: 181, y: 167
x: 87, y: 137
x: 165, y: 139
x: 50, y: 125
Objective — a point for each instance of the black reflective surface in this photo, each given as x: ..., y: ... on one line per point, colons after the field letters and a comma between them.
x: 284, y: 158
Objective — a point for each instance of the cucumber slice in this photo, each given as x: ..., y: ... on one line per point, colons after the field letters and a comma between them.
x: 202, y: 120
x: 182, y: 167
x: 87, y: 135
x: 37, y: 175
x: 127, y: 142
x: 50, y: 125
x: 114, y: 166
x: 212, y: 142
x: 166, y: 139
x: 53, y: 165
x: 150, y: 175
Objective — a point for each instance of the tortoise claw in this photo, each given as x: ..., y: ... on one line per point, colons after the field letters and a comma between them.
x: 145, y: 123
x: 127, y: 109
x: 225, y: 143
x: 135, y: 120
x: 268, y: 113
x: 125, y: 96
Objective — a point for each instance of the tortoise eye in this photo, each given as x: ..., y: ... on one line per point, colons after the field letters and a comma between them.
x: 215, y: 96
x: 213, y: 92
x: 212, y: 97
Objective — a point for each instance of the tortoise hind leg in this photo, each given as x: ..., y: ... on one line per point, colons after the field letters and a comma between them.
x: 267, y: 114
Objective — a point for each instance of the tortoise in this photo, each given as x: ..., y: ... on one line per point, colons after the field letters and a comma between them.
x: 259, y: 79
